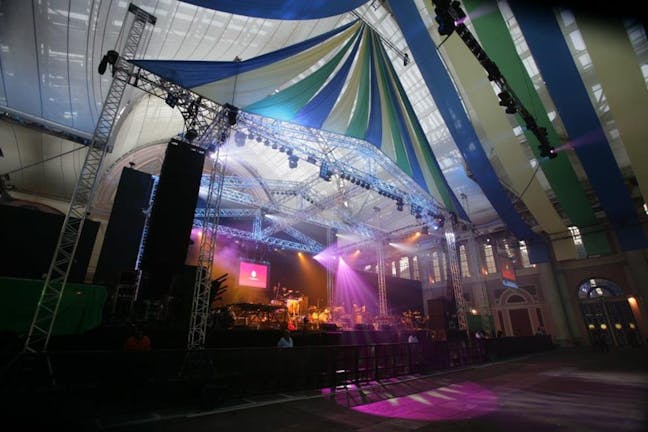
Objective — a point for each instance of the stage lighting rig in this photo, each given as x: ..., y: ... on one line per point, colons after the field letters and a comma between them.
x: 451, y: 18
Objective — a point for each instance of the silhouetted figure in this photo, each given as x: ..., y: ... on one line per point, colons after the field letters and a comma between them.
x: 285, y: 341
x: 138, y: 342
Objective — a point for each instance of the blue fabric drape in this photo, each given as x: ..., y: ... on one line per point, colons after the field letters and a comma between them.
x: 281, y: 9
x: 552, y: 55
x: 449, y: 104
x: 417, y: 174
x: 191, y: 74
x: 315, y: 112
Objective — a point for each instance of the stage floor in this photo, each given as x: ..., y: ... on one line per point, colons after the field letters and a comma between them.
x: 569, y: 389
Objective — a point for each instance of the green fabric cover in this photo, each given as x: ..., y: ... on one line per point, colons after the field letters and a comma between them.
x: 80, y: 310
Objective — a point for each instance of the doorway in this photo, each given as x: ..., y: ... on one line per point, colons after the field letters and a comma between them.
x: 605, y: 307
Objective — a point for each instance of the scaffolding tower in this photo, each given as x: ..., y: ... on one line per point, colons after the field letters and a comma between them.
x: 40, y: 330
x: 455, y: 276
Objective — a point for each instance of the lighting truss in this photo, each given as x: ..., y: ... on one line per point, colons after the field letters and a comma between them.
x: 270, y: 241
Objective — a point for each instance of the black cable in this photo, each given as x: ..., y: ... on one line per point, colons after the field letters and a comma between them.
x: 530, y: 180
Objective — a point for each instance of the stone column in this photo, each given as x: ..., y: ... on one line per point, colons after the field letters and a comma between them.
x: 562, y: 330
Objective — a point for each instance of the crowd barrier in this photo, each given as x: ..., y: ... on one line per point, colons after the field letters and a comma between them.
x: 114, y: 380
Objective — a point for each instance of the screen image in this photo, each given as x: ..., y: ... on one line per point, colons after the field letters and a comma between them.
x: 253, y: 274
x: 508, y: 273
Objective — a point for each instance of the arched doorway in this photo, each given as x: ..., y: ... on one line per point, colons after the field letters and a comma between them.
x: 605, y: 307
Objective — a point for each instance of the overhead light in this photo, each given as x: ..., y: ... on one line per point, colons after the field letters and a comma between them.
x: 507, y: 101
x: 547, y: 151
x: 325, y: 173
x: 191, y: 135
x: 171, y: 99
x: 232, y: 114
x: 111, y: 58
x: 406, y: 59
x: 292, y: 161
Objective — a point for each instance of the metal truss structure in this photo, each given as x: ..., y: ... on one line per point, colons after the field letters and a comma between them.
x: 382, y: 283
x: 455, y: 276
x: 40, y: 330
x: 202, y: 283
x: 355, y: 166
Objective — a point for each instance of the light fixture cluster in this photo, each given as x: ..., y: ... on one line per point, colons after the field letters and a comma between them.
x: 355, y: 181
x: 285, y: 193
x: 325, y: 172
x: 451, y: 17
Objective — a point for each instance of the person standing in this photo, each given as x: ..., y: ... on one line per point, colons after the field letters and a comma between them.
x: 138, y: 342
x: 285, y: 341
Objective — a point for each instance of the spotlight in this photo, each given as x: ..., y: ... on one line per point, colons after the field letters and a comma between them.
x: 443, y: 18
x: 292, y: 161
x: 325, y: 173
x: 311, y: 159
x: 493, y: 71
x: 406, y: 59
x: 171, y: 99
x: 266, y: 142
x: 425, y: 230
x: 191, y: 135
x: 211, y: 151
x: 546, y: 151
x: 440, y: 222
x: 507, y: 101
x: 232, y: 114
x: 239, y: 138
x: 110, y: 58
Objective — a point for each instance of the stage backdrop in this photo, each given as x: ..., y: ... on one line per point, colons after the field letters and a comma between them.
x: 402, y: 294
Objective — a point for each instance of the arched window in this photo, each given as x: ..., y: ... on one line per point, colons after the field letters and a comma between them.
x: 515, y: 299
x: 597, y: 287
x: 416, y: 273
x: 463, y: 259
x: 404, y: 267
x: 436, y: 268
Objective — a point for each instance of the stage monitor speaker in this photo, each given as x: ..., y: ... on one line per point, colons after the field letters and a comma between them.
x: 124, y: 231
x: 328, y: 327
x: 172, y: 216
x: 438, y: 313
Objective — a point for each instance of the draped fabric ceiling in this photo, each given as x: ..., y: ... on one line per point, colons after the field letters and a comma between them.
x: 374, y: 107
x: 582, y: 78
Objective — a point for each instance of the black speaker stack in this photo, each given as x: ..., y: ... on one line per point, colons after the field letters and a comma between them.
x: 171, y: 220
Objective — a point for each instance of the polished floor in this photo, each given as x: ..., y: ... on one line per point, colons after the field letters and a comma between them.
x: 572, y: 389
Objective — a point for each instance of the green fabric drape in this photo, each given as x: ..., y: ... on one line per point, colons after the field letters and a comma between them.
x: 618, y: 71
x: 496, y: 40
x: 80, y: 310
x: 285, y: 104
